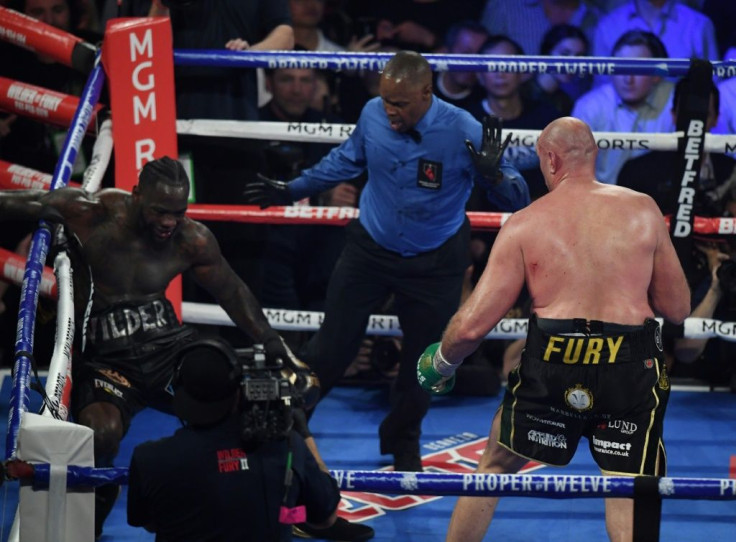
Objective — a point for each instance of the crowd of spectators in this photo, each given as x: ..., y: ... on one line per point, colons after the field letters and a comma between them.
x: 266, y: 257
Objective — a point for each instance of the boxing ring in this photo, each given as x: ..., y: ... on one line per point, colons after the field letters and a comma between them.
x: 648, y: 492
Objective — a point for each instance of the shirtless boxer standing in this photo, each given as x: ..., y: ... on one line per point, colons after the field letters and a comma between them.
x: 599, y: 265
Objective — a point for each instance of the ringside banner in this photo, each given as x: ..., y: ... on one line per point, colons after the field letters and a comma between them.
x: 138, y: 60
x: 692, y: 113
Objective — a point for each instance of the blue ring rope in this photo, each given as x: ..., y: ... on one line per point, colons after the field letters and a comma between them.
x: 19, y: 395
x: 528, y: 485
x: 458, y: 484
x: 665, y: 67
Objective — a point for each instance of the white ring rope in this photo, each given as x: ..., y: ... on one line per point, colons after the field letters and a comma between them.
x: 101, y: 153
x: 312, y: 132
x: 58, y: 381
x: 388, y: 325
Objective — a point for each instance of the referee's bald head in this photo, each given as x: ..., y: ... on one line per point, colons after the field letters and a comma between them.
x: 408, y: 66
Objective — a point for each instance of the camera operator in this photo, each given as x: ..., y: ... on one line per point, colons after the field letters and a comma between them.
x: 713, y: 297
x: 236, y: 470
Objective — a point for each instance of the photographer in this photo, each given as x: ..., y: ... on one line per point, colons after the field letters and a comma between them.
x: 713, y: 297
x: 236, y: 471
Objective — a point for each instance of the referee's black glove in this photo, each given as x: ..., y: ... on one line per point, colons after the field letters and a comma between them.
x: 266, y: 192
x: 488, y: 160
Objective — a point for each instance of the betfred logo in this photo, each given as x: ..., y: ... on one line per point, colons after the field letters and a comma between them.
x: 460, y: 457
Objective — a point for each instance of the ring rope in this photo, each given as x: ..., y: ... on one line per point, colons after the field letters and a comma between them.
x: 569, y: 65
x: 312, y: 132
x: 39, y: 103
x: 19, y: 393
x: 39, y: 37
x: 386, y: 325
x: 22, y: 178
x: 529, y: 485
x: 101, y: 154
x: 563, y: 486
x: 57, y: 108
x: 19, y: 396
x: 12, y: 266
x: 83, y: 117
x: 58, y: 388
x: 339, y: 216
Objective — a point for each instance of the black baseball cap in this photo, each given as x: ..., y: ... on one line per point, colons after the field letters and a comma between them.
x: 206, y: 382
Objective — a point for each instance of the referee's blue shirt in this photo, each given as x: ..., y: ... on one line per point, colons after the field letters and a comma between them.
x: 416, y: 192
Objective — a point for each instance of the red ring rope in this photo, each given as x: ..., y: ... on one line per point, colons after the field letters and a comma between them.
x: 339, y: 216
x: 43, y: 38
x: 40, y: 103
x: 13, y: 266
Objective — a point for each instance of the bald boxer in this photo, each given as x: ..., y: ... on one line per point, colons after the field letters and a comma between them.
x: 135, y: 244
x: 599, y: 266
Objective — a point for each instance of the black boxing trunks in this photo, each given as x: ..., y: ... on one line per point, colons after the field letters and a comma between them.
x: 125, y: 326
x: 129, y: 357
x: 604, y: 381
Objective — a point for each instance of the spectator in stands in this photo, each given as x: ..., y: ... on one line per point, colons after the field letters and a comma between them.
x: 727, y: 87
x: 10, y: 300
x: 222, y: 166
x: 504, y: 99
x: 461, y: 88
x: 357, y: 89
x: 655, y: 173
x: 727, y: 119
x: 629, y: 103
x: 36, y: 145
x: 560, y: 90
x: 292, y: 90
x: 28, y: 142
x: 326, y: 99
x: 606, y: 6
x: 722, y: 14
x: 306, y: 18
x: 685, y: 32
x: 730, y: 53
x: 298, y: 261
x: 714, y: 296
x: 418, y: 25
x: 527, y: 22
x: 223, y: 93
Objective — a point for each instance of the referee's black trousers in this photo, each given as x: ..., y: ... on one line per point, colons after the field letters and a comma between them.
x: 426, y: 290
